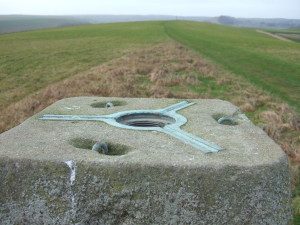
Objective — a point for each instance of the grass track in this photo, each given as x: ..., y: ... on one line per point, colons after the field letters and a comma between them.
x: 269, y: 63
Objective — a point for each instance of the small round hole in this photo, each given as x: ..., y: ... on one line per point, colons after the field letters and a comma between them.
x: 104, y: 104
x: 113, y: 148
x: 225, y: 119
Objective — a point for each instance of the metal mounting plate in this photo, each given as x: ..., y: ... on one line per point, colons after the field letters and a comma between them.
x: 164, y: 120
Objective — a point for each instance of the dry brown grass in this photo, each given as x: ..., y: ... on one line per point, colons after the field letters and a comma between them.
x: 147, y: 73
x: 167, y: 70
x: 247, y: 107
x: 282, y: 125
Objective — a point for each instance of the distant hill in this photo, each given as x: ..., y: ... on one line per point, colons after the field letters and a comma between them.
x: 16, y: 23
x: 256, y: 22
x: 224, y: 20
x: 122, y: 18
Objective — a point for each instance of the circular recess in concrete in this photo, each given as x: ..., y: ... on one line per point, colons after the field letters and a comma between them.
x: 113, y: 148
x: 145, y: 120
x: 105, y: 104
x: 225, y: 120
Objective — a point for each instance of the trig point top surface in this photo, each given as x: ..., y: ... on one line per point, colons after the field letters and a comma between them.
x: 242, y: 144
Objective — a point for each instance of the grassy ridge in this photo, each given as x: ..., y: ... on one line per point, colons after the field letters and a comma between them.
x: 31, y: 60
x: 267, y: 62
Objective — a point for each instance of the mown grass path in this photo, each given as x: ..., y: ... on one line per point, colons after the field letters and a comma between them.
x: 274, y: 35
x: 268, y: 63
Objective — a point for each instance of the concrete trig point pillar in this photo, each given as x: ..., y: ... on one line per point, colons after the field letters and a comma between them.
x: 164, y: 165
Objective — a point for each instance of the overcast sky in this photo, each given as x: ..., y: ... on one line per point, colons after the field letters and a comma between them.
x: 237, y: 8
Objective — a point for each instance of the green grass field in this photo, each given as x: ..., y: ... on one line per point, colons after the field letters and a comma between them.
x: 269, y: 63
x: 31, y: 60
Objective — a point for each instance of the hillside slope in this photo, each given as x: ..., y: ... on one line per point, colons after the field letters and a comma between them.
x: 31, y: 60
x: 17, y: 23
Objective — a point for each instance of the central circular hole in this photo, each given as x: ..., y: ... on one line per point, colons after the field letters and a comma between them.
x: 145, y: 120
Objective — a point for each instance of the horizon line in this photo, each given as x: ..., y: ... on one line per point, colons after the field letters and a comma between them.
x: 164, y: 15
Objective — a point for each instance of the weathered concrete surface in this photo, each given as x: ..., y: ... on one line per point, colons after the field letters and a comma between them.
x: 160, y: 180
